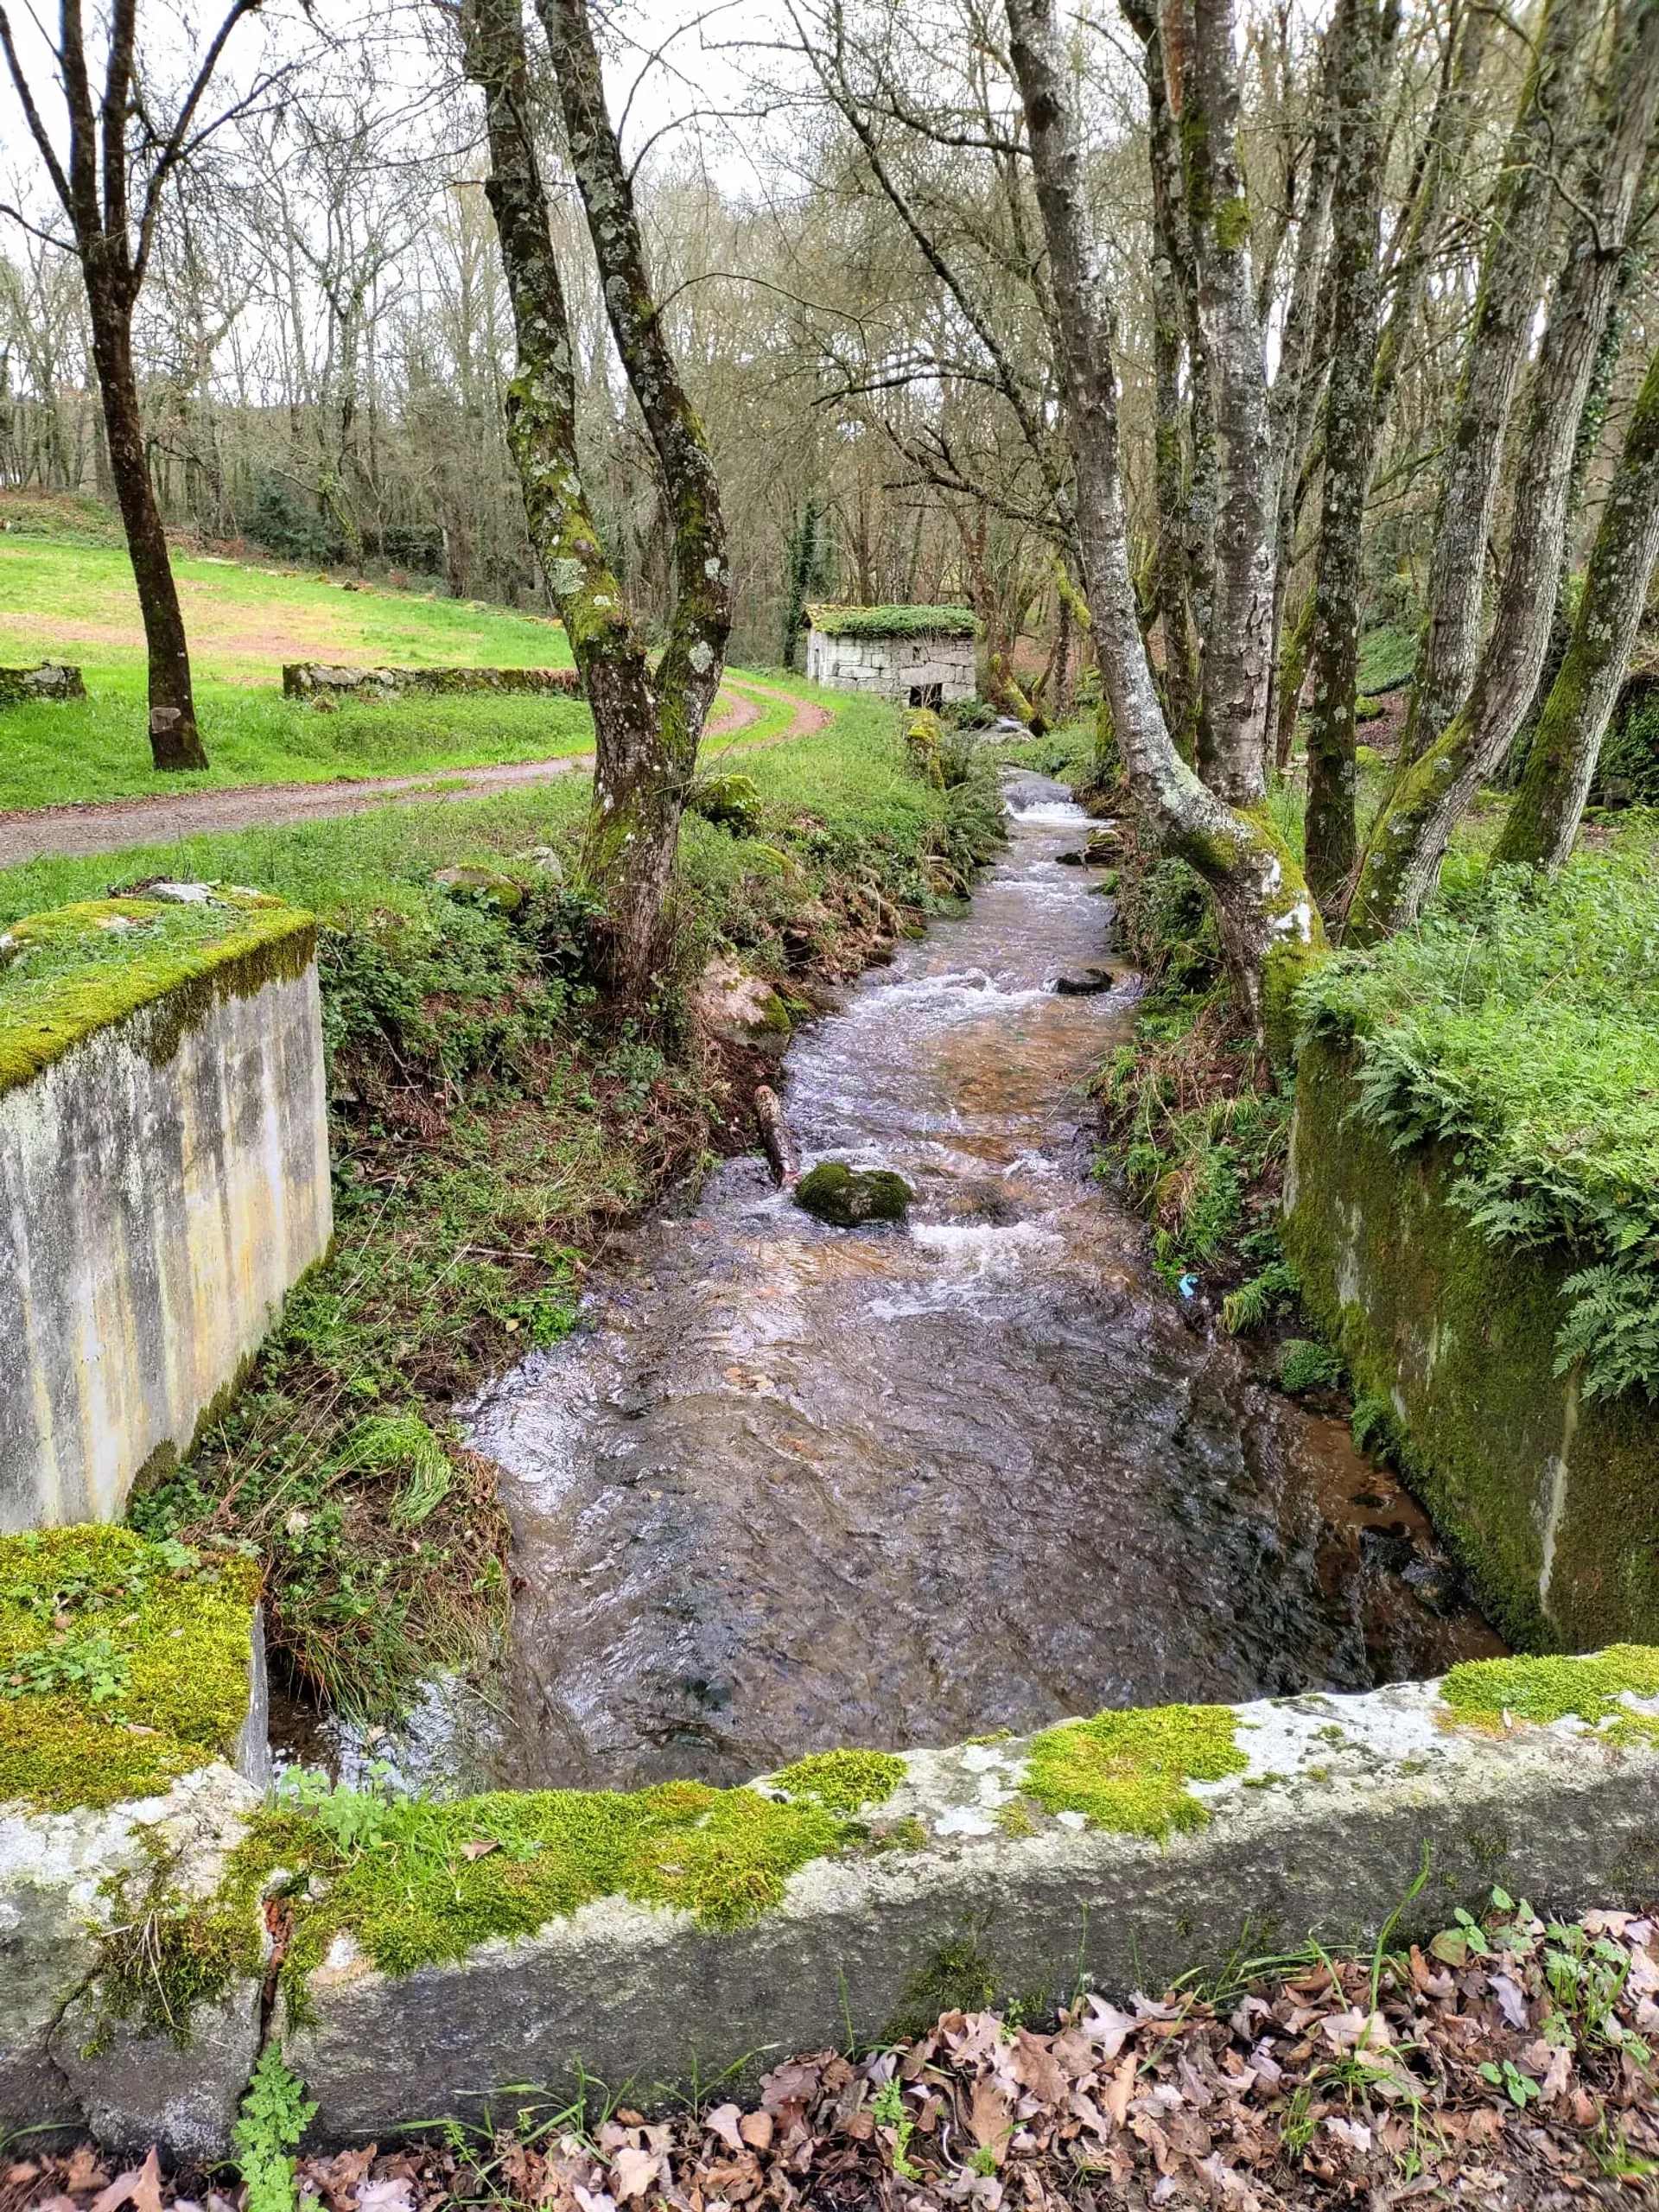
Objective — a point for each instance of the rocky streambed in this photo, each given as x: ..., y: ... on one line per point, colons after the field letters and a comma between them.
x: 791, y: 1486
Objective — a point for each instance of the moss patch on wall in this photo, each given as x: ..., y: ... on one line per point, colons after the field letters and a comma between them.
x: 845, y: 1781
x: 1489, y: 1693
x: 65, y: 974
x: 1549, y: 1501
x: 1128, y: 1771
x: 124, y: 1664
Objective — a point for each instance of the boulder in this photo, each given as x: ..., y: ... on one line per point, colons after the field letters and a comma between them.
x: 730, y: 801
x: 847, y: 1197
x: 737, y: 1009
x: 483, y: 884
x: 1085, y: 984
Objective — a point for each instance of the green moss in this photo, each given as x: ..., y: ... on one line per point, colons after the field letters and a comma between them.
x: 1450, y: 1343
x: 1485, y: 1693
x: 894, y: 621
x: 123, y: 1664
x: 415, y: 1884
x: 1232, y: 222
x: 78, y: 969
x: 850, y: 1196
x: 844, y: 1781
x: 1128, y: 1771
x: 960, y: 1977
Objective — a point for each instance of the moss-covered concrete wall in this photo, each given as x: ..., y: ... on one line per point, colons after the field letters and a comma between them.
x: 1553, y: 1503
x: 163, y: 1178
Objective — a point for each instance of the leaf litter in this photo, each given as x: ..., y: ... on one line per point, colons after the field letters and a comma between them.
x: 1508, y: 2064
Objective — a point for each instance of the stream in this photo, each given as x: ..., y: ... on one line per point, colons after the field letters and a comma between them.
x: 791, y: 1487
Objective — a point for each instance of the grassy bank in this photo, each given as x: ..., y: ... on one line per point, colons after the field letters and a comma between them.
x: 489, y: 1123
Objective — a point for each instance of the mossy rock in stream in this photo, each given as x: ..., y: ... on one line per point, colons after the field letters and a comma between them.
x: 848, y: 1197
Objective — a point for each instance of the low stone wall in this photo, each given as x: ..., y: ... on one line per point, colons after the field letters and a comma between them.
x: 163, y: 1178
x: 1553, y: 1503
x: 893, y: 667
x: 50, y: 679
x: 1096, y: 1854
x: 312, y: 679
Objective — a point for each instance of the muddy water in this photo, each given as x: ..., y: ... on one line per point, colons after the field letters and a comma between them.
x: 793, y: 1486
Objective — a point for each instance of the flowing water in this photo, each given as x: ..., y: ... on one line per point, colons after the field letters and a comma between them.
x: 791, y: 1486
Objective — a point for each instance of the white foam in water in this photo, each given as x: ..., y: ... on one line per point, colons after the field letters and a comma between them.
x: 973, y: 1258
x: 1057, y: 811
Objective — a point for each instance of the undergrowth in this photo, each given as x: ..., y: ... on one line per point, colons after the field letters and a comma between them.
x: 1196, y: 1122
x: 1518, y: 1023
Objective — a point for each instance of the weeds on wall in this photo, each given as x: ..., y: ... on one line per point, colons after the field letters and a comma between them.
x: 1518, y: 1025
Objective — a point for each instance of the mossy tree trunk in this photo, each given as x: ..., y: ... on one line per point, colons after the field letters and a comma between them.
x: 647, y: 725
x: 1562, y: 764
x: 1237, y: 639
x: 1431, y: 791
x: 1174, y: 295
x: 1523, y: 208
x: 1269, y: 926
x: 1364, y: 32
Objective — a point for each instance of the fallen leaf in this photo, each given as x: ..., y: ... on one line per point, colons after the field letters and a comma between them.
x: 632, y: 2172
x: 723, y: 2121
x: 755, y: 2128
x: 1121, y: 2089
x: 988, y: 2116
x: 1510, y: 1997
x: 1035, y: 2069
x: 479, y: 1846
x: 393, y: 2194
x: 140, y: 2187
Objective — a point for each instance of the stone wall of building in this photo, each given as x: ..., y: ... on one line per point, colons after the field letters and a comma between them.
x: 899, y: 668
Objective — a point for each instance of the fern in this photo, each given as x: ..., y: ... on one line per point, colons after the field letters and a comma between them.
x: 274, y: 2114
x: 1612, y: 1325
x: 1304, y: 1365
x: 1271, y: 1292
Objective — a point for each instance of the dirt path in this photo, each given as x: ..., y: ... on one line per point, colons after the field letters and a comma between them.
x: 110, y: 825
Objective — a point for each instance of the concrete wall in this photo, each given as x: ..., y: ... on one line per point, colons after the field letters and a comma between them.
x: 314, y: 679
x: 1551, y: 1501
x: 163, y: 1182
x: 1322, y: 1829
x: 893, y: 667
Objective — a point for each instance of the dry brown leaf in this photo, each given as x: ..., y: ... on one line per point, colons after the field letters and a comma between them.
x: 988, y: 2116
x: 1035, y: 2068
x: 723, y: 2121
x: 1120, y: 2090
x: 633, y: 2171
x: 755, y: 2128
x: 141, y: 2187
x: 479, y: 1846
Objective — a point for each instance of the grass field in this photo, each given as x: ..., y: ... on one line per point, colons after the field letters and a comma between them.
x: 68, y: 597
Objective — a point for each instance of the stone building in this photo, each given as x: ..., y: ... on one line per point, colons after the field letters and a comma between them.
x: 918, y: 656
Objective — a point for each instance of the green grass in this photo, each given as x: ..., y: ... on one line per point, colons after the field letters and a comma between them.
x: 67, y: 600
x: 1520, y: 1022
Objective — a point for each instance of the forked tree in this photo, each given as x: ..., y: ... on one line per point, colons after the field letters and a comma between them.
x: 647, y: 721
x: 111, y: 162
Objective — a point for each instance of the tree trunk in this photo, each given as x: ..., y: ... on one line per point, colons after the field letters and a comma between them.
x: 1303, y: 357
x: 1232, y: 718
x: 1414, y: 827
x: 1331, y: 843
x: 175, y: 741
x: 1269, y: 927
x: 1523, y: 209
x: 1561, y: 766
x: 1173, y: 284
x: 646, y: 727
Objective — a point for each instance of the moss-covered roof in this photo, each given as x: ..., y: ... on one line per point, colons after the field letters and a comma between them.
x: 123, y: 1663
x: 894, y: 622
x: 65, y: 974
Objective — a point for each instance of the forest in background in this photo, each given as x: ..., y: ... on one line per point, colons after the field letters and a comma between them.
x: 324, y: 337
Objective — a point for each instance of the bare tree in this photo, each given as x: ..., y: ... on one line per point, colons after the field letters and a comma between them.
x: 1269, y: 926
x: 1431, y: 792
x: 111, y: 181
x: 647, y: 724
